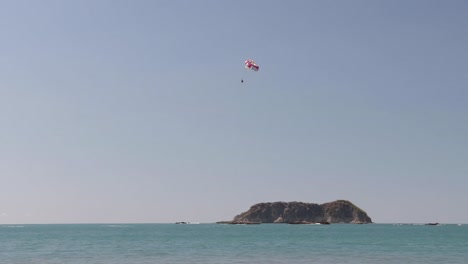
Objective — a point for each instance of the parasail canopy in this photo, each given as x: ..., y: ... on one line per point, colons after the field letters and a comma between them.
x: 251, y: 65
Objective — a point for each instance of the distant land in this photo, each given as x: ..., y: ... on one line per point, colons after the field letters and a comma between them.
x: 340, y: 211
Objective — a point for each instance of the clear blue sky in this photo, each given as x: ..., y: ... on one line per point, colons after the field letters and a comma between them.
x: 133, y: 111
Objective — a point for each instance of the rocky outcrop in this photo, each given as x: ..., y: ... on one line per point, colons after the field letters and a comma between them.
x: 339, y: 211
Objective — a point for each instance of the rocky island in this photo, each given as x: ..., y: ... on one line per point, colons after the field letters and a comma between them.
x: 340, y: 211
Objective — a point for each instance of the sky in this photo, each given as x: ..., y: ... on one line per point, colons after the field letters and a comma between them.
x: 133, y: 111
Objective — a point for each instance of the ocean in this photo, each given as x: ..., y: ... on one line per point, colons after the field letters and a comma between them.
x: 220, y: 243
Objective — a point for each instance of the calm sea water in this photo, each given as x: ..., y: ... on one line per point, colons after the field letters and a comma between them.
x: 212, y: 243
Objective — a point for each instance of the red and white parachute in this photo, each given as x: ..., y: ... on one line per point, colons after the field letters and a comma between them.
x: 251, y: 65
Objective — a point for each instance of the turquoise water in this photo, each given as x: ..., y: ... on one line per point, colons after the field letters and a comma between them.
x: 212, y: 243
